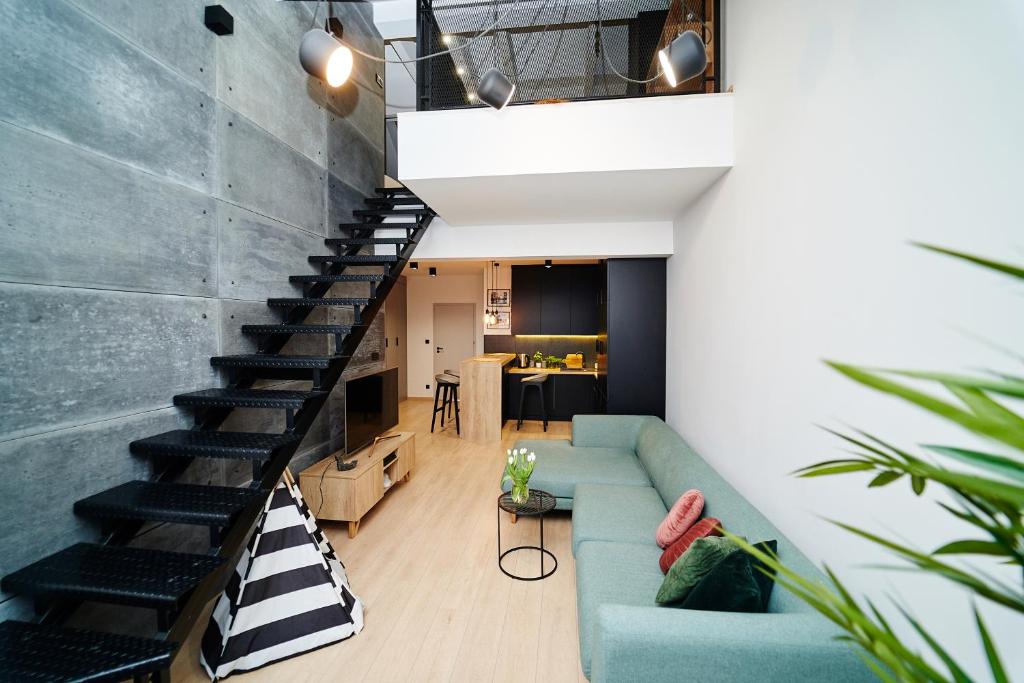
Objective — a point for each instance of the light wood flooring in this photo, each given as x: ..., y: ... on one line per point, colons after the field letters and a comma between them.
x: 425, y: 565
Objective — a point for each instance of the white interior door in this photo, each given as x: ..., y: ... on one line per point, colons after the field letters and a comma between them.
x: 454, y: 335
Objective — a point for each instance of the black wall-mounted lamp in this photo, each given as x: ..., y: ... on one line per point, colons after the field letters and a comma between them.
x: 414, y: 265
x: 432, y: 271
x: 547, y: 263
x: 219, y: 20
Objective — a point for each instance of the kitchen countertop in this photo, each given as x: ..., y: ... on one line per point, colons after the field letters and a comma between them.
x: 501, y: 358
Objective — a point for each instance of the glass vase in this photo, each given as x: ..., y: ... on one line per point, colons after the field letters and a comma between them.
x: 520, y: 492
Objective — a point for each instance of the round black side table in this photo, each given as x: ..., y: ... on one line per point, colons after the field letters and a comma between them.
x: 537, y: 505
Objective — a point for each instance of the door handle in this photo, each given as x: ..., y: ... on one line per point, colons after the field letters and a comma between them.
x: 440, y: 349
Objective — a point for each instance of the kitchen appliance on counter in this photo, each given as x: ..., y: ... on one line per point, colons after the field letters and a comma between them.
x: 524, y: 360
x: 574, y: 361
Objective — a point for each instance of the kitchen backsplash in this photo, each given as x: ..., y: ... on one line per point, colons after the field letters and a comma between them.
x: 547, y: 345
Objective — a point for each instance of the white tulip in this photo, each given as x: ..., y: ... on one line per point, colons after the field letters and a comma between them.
x: 510, y: 460
x: 508, y: 452
x: 531, y: 457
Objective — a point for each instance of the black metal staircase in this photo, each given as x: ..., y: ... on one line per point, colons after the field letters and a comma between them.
x: 178, y: 585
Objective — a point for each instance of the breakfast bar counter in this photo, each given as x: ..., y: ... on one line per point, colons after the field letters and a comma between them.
x: 481, y: 379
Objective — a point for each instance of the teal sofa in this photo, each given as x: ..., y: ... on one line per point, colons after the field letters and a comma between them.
x: 619, y: 475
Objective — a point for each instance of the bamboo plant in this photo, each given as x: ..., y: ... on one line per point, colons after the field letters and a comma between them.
x: 987, y: 489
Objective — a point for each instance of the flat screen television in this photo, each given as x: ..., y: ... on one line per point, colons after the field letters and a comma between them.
x: 371, y: 407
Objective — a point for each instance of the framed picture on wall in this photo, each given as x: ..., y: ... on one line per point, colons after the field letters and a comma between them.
x: 499, y: 297
x: 504, y: 319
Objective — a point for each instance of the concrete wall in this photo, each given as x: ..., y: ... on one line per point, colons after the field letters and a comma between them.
x: 859, y: 127
x: 157, y: 184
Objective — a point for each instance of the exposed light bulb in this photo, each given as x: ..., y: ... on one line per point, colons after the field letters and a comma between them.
x: 471, y: 97
x: 446, y: 39
x: 460, y: 71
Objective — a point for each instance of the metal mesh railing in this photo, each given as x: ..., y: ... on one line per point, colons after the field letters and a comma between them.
x: 557, y: 49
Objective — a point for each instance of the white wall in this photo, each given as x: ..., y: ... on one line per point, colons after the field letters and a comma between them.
x: 579, y: 240
x: 423, y: 293
x: 859, y: 127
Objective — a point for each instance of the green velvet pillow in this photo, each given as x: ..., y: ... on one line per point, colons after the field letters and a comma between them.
x: 700, y: 558
x: 734, y: 585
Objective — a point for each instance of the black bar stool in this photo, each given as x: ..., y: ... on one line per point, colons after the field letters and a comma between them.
x: 455, y: 374
x: 533, y: 381
x: 446, y: 387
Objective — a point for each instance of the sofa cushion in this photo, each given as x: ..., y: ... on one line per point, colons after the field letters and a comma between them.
x: 620, y: 514
x: 612, y: 573
x: 735, y: 584
x: 560, y: 467
x: 684, y: 513
x: 709, y: 526
x: 692, y: 566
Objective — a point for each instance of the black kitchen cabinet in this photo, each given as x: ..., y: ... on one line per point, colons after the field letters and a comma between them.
x: 585, y: 291
x: 526, y: 300
x: 558, y: 300
x: 635, y: 346
x: 565, y: 394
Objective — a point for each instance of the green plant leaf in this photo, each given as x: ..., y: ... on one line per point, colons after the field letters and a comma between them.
x: 1007, y: 467
x: 885, y: 478
x: 917, y: 483
x: 977, y: 260
x: 1006, y: 385
x: 971, y: 547
x: 994, y: 663
x: 821, y: 471
x: 968, y: 420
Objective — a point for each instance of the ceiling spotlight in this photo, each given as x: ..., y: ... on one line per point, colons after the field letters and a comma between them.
x: 494, y: 89
x: 685, y: 57
x: 414, y: 265
x: 547, y: 263
x: 322, y: 56
x: 432, y: 271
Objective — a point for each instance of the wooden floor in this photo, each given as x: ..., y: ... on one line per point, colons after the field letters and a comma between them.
x: 425, y: 566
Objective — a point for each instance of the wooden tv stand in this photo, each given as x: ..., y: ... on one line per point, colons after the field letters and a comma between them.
x: 349, y: 495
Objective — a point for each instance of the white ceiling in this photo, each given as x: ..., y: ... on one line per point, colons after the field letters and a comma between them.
x: 600, y: 197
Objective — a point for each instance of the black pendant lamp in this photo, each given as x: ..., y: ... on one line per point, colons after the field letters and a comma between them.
x: 494, y: 89
x: 684, y: 58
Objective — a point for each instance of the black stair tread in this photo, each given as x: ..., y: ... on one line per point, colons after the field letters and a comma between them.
x: 390, y: 212
x: 260, y: 360
x: 331, y: 301
x: 395, y: 200
x: 347, y: 277
x: 229, y: 397
x: 372, y: 225
x: 33, y: 652
x: 191, y: 443
x: 285, y: 328
x: 356, y: 259
x: 346, y: 241
x: 392, y: 190
x: 168, y: 502
x: 114, y: 574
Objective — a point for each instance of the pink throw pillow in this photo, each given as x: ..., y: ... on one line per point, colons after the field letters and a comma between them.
x: 680, y: 518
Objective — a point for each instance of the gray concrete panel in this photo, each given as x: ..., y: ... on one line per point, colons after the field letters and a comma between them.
x: 102, y: 93
x: 70, y: 356
x: 259, y: 172
x: 71, y: 217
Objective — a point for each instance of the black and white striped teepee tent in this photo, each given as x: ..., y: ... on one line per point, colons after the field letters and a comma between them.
x: 289, y: 593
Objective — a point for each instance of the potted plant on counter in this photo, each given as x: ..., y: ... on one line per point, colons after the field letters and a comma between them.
x: 554, y: 362
x: 538, y: 360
